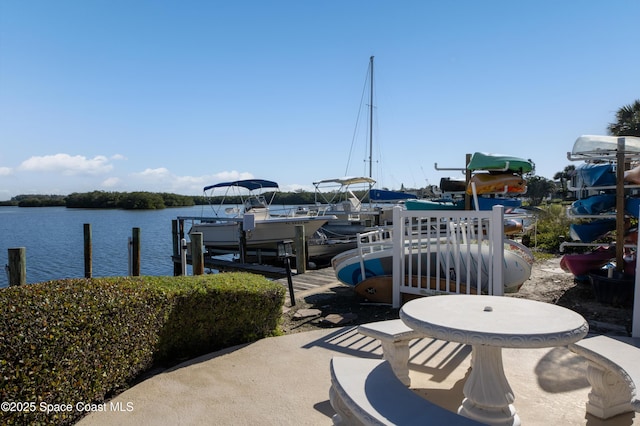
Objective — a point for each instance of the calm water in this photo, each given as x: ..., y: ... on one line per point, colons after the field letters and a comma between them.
x: 53, y: 238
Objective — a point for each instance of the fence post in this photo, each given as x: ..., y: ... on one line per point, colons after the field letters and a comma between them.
x: 17, y: 266
x: 177, y: 245
x: 183, y: 257
x: 301, y: 251
x: 398, y: 256
x: 197, y: 255
x: 497, y: 241
x: 88, y: 252
x: 135, y: 257
x: 635, y: 324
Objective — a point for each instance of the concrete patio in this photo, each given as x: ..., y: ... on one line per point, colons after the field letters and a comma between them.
x: 285, y: 381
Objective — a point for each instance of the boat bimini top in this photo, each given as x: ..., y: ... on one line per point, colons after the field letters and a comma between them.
x: 250, y: 184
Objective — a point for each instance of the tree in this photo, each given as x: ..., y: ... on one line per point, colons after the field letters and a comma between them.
x: 538, y: 188
x: 627, y: 121
x: 565, y: 176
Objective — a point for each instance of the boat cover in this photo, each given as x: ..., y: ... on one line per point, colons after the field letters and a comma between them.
x: 632, y: 206
x: 591, y: 231
x: 250, y: 184
x: 590, y: 174
x: 596, y: 204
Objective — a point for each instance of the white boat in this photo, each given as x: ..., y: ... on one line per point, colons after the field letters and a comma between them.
x: 336, y: 197
x: 342, y: 202
x: 253, y: 220
x: 444, y: 260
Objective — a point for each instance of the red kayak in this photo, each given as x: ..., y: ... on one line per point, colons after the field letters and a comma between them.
x: 581, y: 264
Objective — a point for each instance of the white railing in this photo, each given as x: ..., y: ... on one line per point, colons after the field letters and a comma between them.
x: 447, y: 251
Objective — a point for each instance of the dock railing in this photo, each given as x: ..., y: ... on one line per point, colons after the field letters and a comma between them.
x: 447, y: 251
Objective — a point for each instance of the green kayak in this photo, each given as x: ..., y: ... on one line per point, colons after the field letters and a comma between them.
x: 496, y: 162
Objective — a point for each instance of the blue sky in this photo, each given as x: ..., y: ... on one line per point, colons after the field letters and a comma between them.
x: 170, y: 96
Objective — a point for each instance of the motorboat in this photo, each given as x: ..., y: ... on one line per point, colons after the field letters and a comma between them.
x: 252, y: 225
x: 343, y: 201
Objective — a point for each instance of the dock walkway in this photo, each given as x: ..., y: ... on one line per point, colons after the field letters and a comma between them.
x: 312, y: 281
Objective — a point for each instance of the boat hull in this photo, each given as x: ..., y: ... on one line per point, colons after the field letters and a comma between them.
x: 517, y: 269
x: 441, y: 204
x: 225, y: 235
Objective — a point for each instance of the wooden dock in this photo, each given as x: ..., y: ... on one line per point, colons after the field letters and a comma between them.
x: 310, y: 281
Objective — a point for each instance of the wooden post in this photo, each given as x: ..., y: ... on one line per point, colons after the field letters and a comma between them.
x: 197, y: 255
x: 242, y: 238
x: 175, y: 235
x: 620, y: 225
x: 88, y: 252
x: 135, y: 258
x: 301, y: 250
x: 17, y: 266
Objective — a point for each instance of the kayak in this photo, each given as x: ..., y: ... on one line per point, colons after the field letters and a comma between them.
x: 591, y: 231
x: 589, y: 145
x: 498, y: 162
x: 497, y: 183
x: 581, y: 264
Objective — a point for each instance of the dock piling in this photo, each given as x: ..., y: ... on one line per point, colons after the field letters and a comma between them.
x: 88, y: 251
x: 197, y: 255
x: 17, y: 266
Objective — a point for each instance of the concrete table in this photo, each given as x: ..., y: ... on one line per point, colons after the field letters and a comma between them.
x: 488, y: 324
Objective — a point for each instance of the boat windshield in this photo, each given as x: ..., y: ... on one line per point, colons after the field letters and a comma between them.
x: 255, y: 202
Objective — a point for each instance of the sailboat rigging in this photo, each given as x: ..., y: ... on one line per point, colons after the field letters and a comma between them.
x: 369, y: 158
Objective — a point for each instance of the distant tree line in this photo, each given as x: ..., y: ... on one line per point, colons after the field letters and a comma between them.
x: 104, y: 200
x: 141, y: 200
x: 127, y: 200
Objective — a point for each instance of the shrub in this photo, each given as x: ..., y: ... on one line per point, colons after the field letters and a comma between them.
x: 552, y: 228
x: 71, y: 341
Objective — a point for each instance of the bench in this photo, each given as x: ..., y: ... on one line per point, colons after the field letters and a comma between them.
x: 366, y: 391
x: 395, y: 337
x: 613, y: 372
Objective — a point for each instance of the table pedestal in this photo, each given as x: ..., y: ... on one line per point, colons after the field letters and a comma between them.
x: 488, y: 396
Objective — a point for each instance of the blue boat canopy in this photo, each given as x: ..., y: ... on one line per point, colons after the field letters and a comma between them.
x: 250, y: 184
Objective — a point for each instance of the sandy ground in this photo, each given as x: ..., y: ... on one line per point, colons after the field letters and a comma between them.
x: 339, y: 305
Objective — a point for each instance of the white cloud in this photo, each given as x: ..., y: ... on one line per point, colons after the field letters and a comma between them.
x: 67, y: 164
x: 5, y: 171
x: 111, y: 182
x: 160, y: 172
x: 118, y: 157
x: 232, y: 175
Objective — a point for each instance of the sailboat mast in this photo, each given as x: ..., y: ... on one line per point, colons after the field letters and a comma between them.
x: 371, y: 118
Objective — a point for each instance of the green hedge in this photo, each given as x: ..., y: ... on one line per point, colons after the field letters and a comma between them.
x: 80, y: 341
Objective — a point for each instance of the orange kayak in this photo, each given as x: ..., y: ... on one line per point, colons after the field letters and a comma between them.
x: 497, y: 183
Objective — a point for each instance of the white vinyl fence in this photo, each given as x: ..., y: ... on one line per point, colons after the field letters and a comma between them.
x: 447, y: 251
